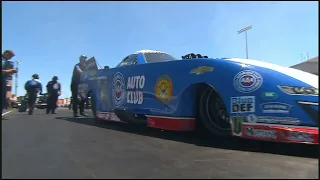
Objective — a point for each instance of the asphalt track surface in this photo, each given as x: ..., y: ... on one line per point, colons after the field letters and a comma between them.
x: 59, y: 146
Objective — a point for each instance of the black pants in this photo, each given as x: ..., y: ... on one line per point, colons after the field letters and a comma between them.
x: 32, y: 98
x: 75, y: 100
x: 52, y: 103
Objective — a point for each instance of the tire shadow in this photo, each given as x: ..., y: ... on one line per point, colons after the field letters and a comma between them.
x: 205, y: 139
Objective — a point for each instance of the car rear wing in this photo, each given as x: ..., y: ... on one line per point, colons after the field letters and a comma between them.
x: 91, y: 64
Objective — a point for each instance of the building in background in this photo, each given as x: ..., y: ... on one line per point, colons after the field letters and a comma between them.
x: 68, y: 101
x: 61, y: 102
x: 311, y: 66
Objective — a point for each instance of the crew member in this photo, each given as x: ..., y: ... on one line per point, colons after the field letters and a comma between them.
x: 77, y: 70
x: 54, y: 91
x: 6, y: 73
x: 33, y: 87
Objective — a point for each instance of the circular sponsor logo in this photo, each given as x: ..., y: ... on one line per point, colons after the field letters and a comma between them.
x: 163, y: 89
x: 252, y: 118
x: 118, y: 89
x: 247, y: 81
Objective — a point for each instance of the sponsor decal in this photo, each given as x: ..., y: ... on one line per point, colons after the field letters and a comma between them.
x: 97, y: 78
x: 260, y: 133
x: 201, y: 70
x: 118, y: 89
x: 247, y: 81
x: 243, y: 104
x: 295, y: 90
x: 275, y: 107
x: 269, y: 95
x: 236, y: 125
x: 135, y: 84
x: 300, y: 136
x: 163, y: 89
x: 272, y: 120
x: 280, y: 133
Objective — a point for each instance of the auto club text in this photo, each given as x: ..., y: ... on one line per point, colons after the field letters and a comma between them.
x: 135, y: 85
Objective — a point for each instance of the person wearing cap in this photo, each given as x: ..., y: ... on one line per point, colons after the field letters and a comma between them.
x: 7, y: 72
x: 54, y: 91
x: 33, y: 87
x: 75, y: 81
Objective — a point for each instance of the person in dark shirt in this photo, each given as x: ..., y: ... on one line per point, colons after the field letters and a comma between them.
x: 54, y: 91
x: 33, y: 87
x: 77, y: 70
x: 6, y: 73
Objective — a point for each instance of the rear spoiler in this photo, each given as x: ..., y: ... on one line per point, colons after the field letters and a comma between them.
x: 91, y: 64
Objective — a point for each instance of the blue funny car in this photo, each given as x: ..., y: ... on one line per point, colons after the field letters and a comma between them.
x: 227, y: 96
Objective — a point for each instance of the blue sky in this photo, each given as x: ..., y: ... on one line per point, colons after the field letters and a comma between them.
x: 48, y: 37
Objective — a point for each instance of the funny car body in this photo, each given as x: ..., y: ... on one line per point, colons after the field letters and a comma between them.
x: 227, y: 96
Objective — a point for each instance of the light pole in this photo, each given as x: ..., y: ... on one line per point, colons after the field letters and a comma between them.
x: 16, y: 84
x: 245, y: 31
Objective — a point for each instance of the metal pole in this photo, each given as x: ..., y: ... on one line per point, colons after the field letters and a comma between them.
x: 246, y: 45
x: 246, y: 36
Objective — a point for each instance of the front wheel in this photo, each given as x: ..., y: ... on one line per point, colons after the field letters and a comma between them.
x: 213, y: 113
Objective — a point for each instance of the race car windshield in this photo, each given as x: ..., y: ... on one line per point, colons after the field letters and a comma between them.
x: 158, y: 57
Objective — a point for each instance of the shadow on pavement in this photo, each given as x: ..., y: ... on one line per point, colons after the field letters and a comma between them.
x: 231, y: 143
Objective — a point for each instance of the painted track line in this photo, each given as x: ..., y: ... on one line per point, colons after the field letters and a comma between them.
x: 7, y: 112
